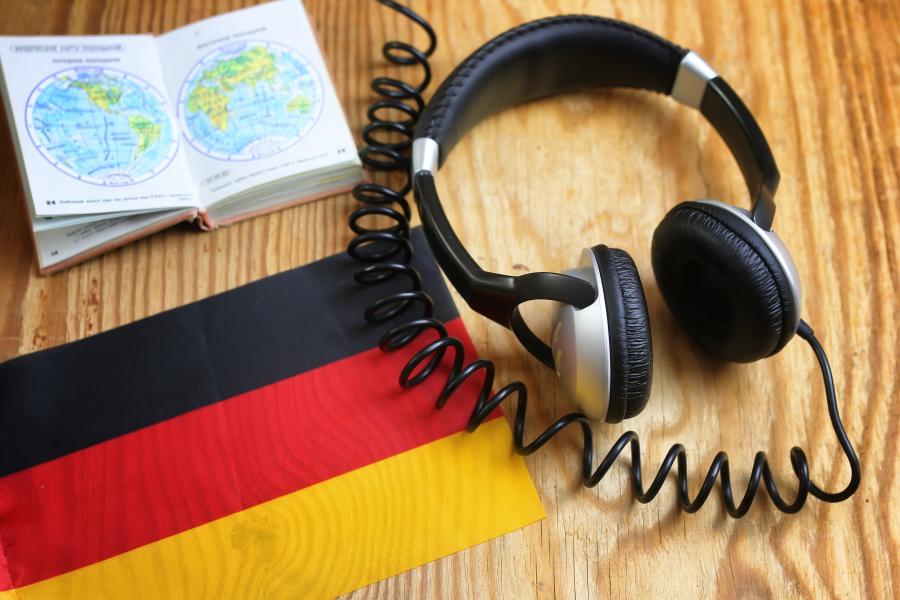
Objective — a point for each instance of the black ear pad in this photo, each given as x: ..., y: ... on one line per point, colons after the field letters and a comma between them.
x: 722, y: 283
x: 631, y: 349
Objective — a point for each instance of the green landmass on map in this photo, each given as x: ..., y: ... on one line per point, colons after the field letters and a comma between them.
x: 213, y: 92
x: 100, y: 95
x: 105, y: 96
x: 146, y: 130
x: 212, y: 102
x: 300, y: 103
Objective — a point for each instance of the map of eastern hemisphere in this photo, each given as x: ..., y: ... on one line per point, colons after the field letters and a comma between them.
x: 101, y: 126
x: 249, y: 100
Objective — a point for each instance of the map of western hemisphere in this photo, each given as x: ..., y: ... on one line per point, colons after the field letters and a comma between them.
x: 248, y: 100
x: 101, y: 126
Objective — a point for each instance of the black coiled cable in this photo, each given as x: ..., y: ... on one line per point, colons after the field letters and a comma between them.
x: 387, y: 251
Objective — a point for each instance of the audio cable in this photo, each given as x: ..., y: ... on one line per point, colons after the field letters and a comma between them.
x: 385, y: 252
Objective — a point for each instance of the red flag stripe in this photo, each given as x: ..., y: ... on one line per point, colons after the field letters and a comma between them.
x: 217, y: 460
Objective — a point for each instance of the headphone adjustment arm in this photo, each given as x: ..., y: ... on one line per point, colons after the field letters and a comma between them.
x: 546, y: 286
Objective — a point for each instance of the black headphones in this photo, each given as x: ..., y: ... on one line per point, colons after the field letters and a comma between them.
x: 724, y: 273
x: 726, y: 276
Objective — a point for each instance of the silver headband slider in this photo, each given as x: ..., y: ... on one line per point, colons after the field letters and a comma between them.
x: 425, y: 155
x: 690, y: 82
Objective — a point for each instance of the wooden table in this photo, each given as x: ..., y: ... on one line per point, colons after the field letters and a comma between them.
x: 823, y: 80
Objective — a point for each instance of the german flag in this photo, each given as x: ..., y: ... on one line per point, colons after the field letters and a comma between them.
x: 252, y: 444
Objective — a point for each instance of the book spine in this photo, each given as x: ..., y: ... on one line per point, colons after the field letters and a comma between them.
x: 205, y: 222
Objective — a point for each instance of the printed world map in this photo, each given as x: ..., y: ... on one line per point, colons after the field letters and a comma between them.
x: 101, y: 126
x: 249, y: 100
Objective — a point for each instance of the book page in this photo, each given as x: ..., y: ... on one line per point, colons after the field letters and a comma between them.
x: 254, y: 99
x: 59, y: 245
x: 92, y: 125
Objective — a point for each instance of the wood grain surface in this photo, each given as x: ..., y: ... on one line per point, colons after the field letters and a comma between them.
x: 527, y: 191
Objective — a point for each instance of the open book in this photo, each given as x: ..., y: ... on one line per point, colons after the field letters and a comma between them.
x: 120, y: 136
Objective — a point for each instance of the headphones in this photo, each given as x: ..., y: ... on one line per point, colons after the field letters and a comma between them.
x: 725, y: 275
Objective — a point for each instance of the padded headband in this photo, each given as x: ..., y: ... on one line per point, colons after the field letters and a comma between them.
x: 553, y: 56
x: 544, y: 58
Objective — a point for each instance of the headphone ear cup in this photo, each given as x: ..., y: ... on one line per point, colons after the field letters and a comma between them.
x: 722, y: 283
x: 630, y: 342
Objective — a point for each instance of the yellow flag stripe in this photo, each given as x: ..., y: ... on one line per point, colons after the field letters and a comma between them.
x: 333, y: 537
